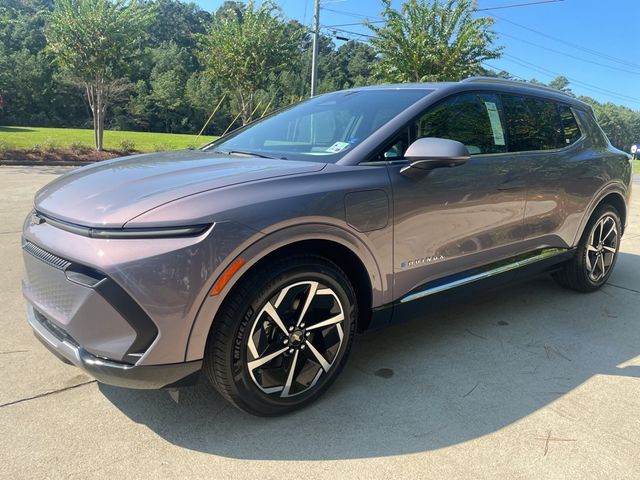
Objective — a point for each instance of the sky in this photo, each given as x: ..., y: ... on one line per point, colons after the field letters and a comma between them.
x: 591, y: 42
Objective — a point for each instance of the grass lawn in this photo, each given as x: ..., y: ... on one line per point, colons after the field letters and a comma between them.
x: 636, y: 166
x: 35, y: 138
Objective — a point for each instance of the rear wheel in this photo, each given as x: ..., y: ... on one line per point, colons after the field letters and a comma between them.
x: 282, y: 336
x: 597, y: 252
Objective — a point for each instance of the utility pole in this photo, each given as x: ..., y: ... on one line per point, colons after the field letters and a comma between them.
x: 316, y: 46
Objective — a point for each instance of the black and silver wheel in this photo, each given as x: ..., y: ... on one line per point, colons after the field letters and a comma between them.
x: 282, y: 336
x: 597, y: 252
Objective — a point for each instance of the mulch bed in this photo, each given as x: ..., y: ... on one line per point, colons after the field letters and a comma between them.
x: 58, y: 156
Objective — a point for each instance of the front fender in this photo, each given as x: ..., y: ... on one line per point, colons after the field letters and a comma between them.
x: 276, y: 239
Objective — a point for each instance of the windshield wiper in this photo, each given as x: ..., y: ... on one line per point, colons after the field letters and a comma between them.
x: 241, y: 152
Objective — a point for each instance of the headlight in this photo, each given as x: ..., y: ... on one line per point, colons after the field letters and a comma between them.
x: 163, y: 232
x: 123, y: 233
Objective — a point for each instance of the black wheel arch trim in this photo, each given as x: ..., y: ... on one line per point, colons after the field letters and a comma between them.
x: 290, y: 235
x: 616, y: 188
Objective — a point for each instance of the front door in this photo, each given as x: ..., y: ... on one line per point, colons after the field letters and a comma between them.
x: 450, y: 220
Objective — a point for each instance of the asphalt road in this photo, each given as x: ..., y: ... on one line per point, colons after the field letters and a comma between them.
x: 528, y: 382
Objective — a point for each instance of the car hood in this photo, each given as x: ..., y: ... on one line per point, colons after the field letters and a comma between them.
x: 111, y: 193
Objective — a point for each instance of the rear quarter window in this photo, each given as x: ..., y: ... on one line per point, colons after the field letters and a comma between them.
x: 570, y: 127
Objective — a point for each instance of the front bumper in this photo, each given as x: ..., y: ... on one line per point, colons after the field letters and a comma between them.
x: 108, y: 371
x: 142, y: 296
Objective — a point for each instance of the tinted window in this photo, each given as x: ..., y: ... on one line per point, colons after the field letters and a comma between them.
x: 324, y: 127
x: 473, y: 119
x: 547, y: 134
x: 569, y: 125
x: 537, y: 124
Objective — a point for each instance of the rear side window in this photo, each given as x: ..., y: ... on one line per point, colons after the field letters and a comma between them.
x: 535, y: 124
x: 547, y: 134
x: 470, y: 118
x: 571, y: 130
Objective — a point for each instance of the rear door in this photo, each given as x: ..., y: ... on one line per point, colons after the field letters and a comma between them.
x: 546, y: 135
x: 454, y: 219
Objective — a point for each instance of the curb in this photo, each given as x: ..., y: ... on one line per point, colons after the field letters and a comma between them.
x: 43, y: 163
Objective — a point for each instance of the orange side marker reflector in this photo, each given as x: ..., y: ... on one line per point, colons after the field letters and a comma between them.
x: 226, y: 276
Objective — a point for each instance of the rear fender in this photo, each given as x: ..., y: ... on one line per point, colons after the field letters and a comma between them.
x: 617, y: 188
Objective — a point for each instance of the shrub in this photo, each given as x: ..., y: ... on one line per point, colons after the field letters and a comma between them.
x: 127, y: 145
x: 49, y: 145
x: 5, y: 147
x: 77, y: 147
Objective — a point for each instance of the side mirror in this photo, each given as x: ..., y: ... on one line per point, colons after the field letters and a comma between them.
x: 428, y: 153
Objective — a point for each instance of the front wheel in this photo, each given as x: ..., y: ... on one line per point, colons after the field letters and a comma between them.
x: 596, y: 254
x: 282, y: 336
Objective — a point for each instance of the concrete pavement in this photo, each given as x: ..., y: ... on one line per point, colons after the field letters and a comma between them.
x: 531, y: 381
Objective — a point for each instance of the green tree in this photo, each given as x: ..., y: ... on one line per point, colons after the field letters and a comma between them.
x: 560, y: 83
x: 93, y: 41
x: 358, y: 60
x: 432, y: 40
x: 159, y: 103
x: 244, y: 50
x: 29, y: 83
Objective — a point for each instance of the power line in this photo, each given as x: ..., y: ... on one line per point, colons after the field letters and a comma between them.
x: 496, y: 69
x: 593, y: 62
x: 492, y: 67
x: 356, y: 24
x: 518, y: 5
x: 366, y: 35
x: 531, y: 66
x: 304, y: 17
x: 349, y: 14
x: 585, y: 85
x: 571, y: 44
x: 357, y: 15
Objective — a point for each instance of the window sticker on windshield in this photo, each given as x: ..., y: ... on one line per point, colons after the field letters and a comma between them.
x: 496, y: 124
x: 337, y: 147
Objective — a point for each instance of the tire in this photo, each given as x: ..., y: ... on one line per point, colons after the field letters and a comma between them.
x: 585, y: 272
x: 271, y: 322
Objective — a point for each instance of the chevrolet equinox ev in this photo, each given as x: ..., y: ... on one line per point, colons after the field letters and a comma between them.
x: 256, y: 259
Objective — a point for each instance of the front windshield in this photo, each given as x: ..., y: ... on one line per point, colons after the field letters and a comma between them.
x: 323, y: 128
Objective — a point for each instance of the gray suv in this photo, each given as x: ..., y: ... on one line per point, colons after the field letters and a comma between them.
x: 257, y: 258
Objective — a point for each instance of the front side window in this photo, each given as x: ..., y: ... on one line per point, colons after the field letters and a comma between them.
x: 471, y: 118
x: 323, y: 128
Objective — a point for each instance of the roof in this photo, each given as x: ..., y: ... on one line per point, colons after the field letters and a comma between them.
x: 485, y: 82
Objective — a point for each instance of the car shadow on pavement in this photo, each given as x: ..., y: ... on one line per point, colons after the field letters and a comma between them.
x: 458, y: 373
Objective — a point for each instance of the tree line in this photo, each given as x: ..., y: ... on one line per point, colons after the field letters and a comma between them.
x: 169, y: 66
x: 177, y: 62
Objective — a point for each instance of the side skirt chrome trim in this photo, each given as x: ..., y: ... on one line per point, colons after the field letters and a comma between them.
x: 538, y: 256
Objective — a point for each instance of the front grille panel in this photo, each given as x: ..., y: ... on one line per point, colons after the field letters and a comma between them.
x: 46, y: 285
x: 46, y: 257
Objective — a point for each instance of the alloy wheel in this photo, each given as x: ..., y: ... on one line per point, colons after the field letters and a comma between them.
x: 602, y: 248
x: 295, y: 339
